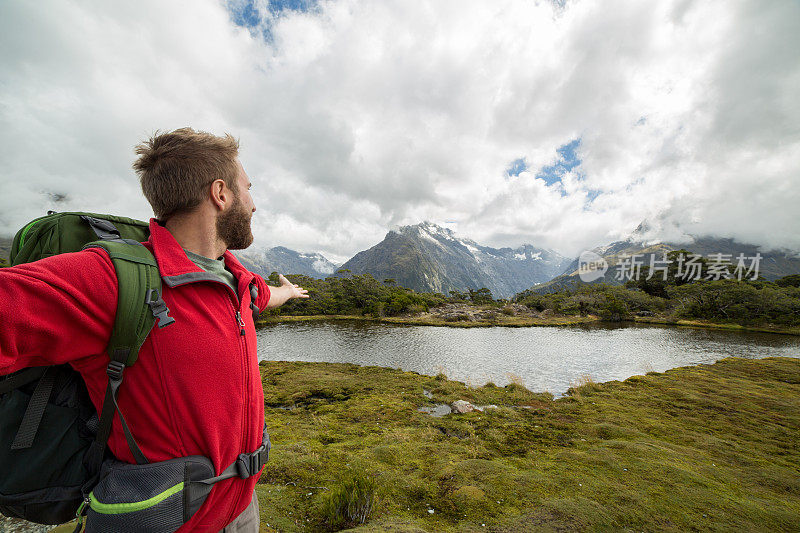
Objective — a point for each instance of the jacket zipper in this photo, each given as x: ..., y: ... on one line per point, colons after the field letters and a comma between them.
x: 245, y: 418
x: 234, y: 300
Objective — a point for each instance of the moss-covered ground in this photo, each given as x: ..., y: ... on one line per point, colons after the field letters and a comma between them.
x: 709, y: 447
x: 702, y: 448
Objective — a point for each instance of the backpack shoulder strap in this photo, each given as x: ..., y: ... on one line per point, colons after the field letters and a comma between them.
x: 139, y: 304
x: 253, y: 298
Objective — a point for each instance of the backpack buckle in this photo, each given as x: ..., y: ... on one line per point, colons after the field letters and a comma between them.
x: 158, y: 308
x: 114, y: 370
x: 248, y: 464
x: 104, y: 229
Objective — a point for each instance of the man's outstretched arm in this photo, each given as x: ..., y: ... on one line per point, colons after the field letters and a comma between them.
x: 286, y: 291
x: 56, y: 310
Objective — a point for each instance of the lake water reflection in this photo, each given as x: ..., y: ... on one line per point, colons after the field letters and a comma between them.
x: 545, y: 358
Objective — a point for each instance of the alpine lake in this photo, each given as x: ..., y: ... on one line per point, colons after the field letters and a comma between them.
x: 543, y: 359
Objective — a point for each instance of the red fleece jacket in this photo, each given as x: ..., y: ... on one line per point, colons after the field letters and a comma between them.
x: 196, y: 387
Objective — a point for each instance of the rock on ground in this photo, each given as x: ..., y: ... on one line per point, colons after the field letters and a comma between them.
x: 462, y: 406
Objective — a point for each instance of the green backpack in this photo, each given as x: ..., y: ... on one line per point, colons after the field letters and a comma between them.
x: 47, y: 421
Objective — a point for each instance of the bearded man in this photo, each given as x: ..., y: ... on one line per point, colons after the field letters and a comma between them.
x: 196, y: 387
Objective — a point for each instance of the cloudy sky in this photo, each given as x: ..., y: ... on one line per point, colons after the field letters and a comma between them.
x: 560, y: 124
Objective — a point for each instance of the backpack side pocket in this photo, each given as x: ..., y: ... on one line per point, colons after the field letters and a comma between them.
x: 154, y: 497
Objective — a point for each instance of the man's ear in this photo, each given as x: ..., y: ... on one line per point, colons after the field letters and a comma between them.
x: 220, y: 194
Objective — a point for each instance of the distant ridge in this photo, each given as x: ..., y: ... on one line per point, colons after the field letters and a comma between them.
x: 285, y: 261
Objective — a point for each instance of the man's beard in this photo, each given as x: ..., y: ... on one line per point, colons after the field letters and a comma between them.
x: 233, y: 227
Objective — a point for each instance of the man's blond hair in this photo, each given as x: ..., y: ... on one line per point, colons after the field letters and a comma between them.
x: 176, y: 168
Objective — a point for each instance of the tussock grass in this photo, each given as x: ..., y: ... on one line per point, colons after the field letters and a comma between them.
x: 515, y: 379
x: 350, y: 501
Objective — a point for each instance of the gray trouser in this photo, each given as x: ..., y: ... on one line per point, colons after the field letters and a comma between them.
x: 247, y: 522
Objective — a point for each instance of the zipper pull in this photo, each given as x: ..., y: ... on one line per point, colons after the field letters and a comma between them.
x: 81, y: 513
x: 241, y: 322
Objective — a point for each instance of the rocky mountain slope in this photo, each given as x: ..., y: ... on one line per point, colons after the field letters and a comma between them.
x: 286, y: 261
x: 428, y: 258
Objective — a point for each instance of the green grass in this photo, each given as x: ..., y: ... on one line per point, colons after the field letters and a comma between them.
x: 711, y: 447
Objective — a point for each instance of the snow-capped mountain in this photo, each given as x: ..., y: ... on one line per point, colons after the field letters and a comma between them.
x: 429, y: 258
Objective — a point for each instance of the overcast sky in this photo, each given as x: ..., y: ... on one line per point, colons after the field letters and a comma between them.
x: 560, y: 124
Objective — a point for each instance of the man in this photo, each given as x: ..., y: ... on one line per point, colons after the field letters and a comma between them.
x: 196, y: 387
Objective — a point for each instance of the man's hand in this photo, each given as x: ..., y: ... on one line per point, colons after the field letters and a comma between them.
x: 286, y: 291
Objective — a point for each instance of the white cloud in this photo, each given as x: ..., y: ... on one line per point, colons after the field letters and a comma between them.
x: 362, y: 115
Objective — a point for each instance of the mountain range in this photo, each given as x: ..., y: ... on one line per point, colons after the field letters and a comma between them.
x: 429, y: 258
x: 772, y: 265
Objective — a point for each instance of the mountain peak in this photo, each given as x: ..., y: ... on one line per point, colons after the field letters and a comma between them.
x: 427, y: 227
x: 641, y: 230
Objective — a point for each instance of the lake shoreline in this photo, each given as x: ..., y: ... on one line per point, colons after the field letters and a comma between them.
x: 525, y: 322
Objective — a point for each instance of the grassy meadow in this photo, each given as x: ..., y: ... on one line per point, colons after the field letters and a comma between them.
x: 701, y: 448
x: 709, y: 447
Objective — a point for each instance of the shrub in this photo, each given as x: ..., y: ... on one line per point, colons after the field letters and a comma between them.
x: 742, y: 302
x: 376, y: 309
x: 613, y: 310
x: 792, y: 280
x: 417, y: 308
